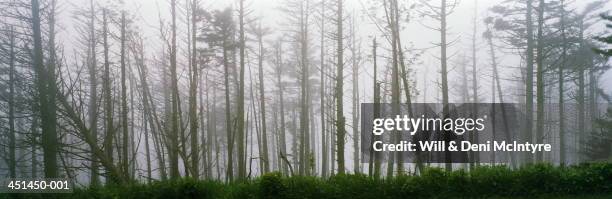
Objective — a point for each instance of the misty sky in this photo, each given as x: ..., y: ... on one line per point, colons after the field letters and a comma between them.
x: 147, y: 13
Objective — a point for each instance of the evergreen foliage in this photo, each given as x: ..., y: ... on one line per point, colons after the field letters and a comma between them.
x: 589, y: 180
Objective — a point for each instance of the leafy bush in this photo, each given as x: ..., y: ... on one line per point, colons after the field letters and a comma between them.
x: 481, y: 182
x: 272, y: 186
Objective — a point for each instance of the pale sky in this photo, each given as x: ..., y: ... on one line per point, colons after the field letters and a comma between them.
x: 460, y: 23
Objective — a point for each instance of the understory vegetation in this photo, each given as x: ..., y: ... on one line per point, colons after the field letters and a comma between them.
x: 592, y: 180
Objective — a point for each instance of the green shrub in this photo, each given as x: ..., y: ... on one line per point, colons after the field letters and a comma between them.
x: 481, y: 182
x: 271, y: 186
x: 492, y: 180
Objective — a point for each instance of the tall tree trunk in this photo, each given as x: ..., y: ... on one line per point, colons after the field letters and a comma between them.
x: 52, y: 94
x: 527, y: 136
x: 294, y: 140
x: 206, y: 126
x: 390, y: 12
x: 124, y: 106
x: 106, y: 87
x: 376, y: 155
x: 12, y: 161
x: 174, y: 121
x: 145, y: 125
x: 540, y: 82
x: 312, y: 136
x: 354, y: 54
x: 474, y: 136
x: 561, y: 80
x: 147, y: 149
x: 262, y: 103
x: 240, y: 107
x: 193, y: 88
x: 46, y: 90
x: 166, y: 142
x: 93, y: 89
x: 324, y: 152
x: 340, y: 127
x: 332, y: 131
x: 228, y: 119
x: 304, y: 87
x: 444, y: 73
x: 282, y: 136
x: 580, y: 98
x: 132, y: 144
x: 256, y: 125
x: 211, y: 129
x: 407, y: 87
x: 593, y: 94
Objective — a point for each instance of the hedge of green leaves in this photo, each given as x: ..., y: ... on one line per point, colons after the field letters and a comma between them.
x: 481, y: 182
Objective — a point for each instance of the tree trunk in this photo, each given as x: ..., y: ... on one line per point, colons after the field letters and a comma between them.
x: 304, y: 87
x: 473, y: 135
x: 106, y: 86
x: 339, y: 90
x: 580, y: 98
x: 527, y: 136
x: 561, y: 80
x: 262, y: 102
x: 443, y: 59
x: 12, y: 161
x: 124, y: 106
x: 228, y: 119
x: 46, y: 90
x: 540, y: 82
x: 193, y: 88
x: 354, y: 54
x: 395, y: 84
x: 375, y: 155
x: 34, y: 155
x: 240, y: 107
x: 324, y: 152
x: 282, y: 136
x: 93, y: 89
x: 174, y: 121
